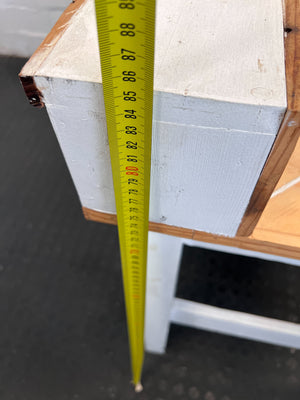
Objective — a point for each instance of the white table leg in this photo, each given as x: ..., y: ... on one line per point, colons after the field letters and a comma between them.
x: 164, y: 256
x: 162, y: 308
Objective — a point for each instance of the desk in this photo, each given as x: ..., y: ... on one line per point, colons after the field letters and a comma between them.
x: 226, y: 121
x: 217, y: 114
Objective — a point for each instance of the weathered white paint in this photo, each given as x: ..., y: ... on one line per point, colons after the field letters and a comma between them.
x: 77, y: 113
x: 201, y: 176
x: 162, y: 308
x: 224, y: 50
x: 219, y: 100
x: 25, y: 23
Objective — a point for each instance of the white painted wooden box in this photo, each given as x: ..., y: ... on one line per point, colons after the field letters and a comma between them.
x: 220, y: 97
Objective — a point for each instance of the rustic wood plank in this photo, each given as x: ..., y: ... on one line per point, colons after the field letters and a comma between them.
x: 275, y: 165
x: 292, y: 53
x: 292, y: 170
x: 280, y: 221
x: 289, y: 132
x: 262, y: 246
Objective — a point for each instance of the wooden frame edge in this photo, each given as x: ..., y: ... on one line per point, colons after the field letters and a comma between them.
x: 26, y: 76
x: 239, y: 242
x: 289, y: 131
x: 33, y: 94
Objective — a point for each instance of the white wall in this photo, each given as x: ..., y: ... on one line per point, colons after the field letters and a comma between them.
x: 25, y: 23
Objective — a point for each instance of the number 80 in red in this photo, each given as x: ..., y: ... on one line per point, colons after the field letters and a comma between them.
x: 132, y: 171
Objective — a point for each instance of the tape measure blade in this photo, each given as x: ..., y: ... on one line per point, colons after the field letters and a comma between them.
x: 126, y: 42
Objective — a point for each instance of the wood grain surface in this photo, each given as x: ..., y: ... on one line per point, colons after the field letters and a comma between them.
x: 263, y: 246
x: 289, y: 132
x: 292, y: 170
x: 280, y: 221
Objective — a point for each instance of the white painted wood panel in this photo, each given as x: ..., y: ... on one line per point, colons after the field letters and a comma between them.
x: 201, y: 177
x: 25, y: 23
x: 178, y: 109
x: 76, y: 110
x: 164, y: 255
x: 218, y: 103
x: 211, y: 47
x: 225, y: 50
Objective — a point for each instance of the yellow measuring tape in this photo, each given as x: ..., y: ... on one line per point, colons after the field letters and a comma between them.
x: 126, y: 41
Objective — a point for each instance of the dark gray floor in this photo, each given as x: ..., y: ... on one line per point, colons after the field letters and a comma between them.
x: 63, y: 333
